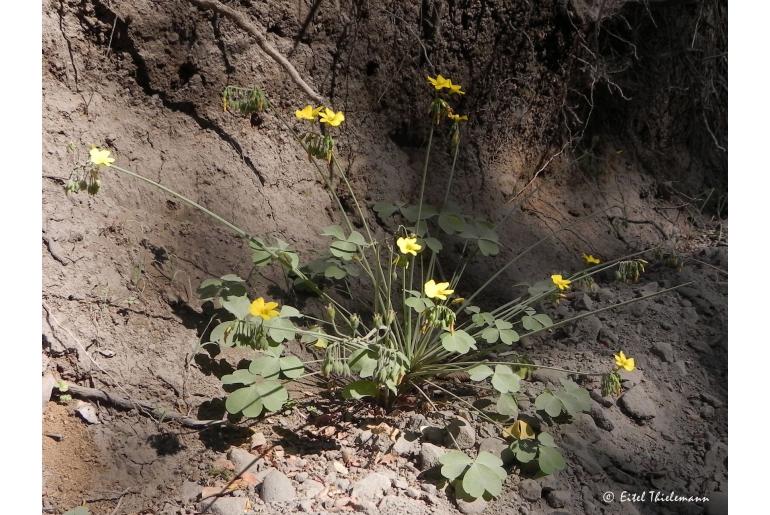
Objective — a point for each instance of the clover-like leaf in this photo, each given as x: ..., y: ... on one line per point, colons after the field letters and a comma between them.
x: 334, y: 272
x: 433, y: 244
x: 360, y: 389
x: 479, y: 372
x: 454, y: 464
x: 292, y: 367
x: 486, y: 474
x: 356, y: 238
x: 490, y: 334
x: 488, y: 247
x: 450, y: 222
x: 508, y: 336
x: 265, y: 365
x: 240, y: 376
x: 505, y: 380
x: 459, y: 341
x: 245, y: 400
x: 364, y: 362
x: 507, y: 405
x: 344, y: 250
x: 524, y: 450
x: 550, y: 460
x: 280, y: 328
x: 386, y: 209
x: 546, y: 439
x: 335, y: 231
x: 238, y: 306
x: 548, y: 403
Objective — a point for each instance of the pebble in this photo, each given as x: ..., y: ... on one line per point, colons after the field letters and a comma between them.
x: 429, y: 455
x: 707, y: 412
x: 222, y: 463
x: 49, y: 381
x: 558, y: 498
x: 312, y: 488
x: 600, y: 418
x: 584, y: 303
x: 243, y: 460
x: 530, y: 490
x: 188, y: 491
x: 638, y: 404
x: 680, y: 367
x: 405, y: 446
x: 276, y: 487
x: 471, y: 506
x: 371, y: 487
x: 596, y: 395
x: 664, y: 350
x: 224, y: 506
x: 546, y: 375
x: 587, y: 461
x: 460, y: 432
x: 87, y: 412
x: 258, y: 440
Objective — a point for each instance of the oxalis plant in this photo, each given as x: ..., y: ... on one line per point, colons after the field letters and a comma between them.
x: 398, y: 317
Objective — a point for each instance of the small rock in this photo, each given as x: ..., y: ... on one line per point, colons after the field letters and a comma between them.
x: 587, y: 427
x: 572, y: 441
x: 600, y: 417
x: 638, y: 404
x: 460, y: 432
x: 433, y: 434
x: 530, y: 490
x: 405, y: 446
x: 340, y: 468
x: 250, y: 479
x: 276, y: 487
x: 189, y: 491
x: 608, y: 336
x: 393, y: 504
x: 584, y: 303
x: 546, y: 375
x: 430, y: 455
x: 210, y: 491
x: 558, y: 498
x: 243, y: 460
x: 471, y: 506
x: 590, y: 326
x: 312, y: 488
x: 306, y: 505
x: 371, y: 487
x: 707, y: 412
x: 258, y: 440
x: 224, y: 506
x: 222, y: 463
x: 598, y: 397
x: 664, y: 350
x: 87, y: 412
x: 497, y: 447
x: 415, y: 422
x: 301, y: 477
x: 680, y: 367
x: 588, y: 462
x: 413, y: 492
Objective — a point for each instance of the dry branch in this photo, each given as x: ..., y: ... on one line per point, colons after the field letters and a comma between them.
x: 257, y: 34
x: 94, y: 394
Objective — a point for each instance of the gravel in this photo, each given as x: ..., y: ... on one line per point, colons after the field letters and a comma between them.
x: 276, y: 487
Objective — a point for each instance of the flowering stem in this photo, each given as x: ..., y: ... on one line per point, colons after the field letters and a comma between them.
x: 451, y: 174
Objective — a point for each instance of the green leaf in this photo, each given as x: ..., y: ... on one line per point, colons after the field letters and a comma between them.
x: 261, y: 257
x: 79, y: 510
x: 486, y: 474
x: 550, y: 460
x: 506, y: 405
x: 357, y: 239
x: 433, y: 244
x: 450, y: 222
x: 273, y: 395
x: 218, y: 333
x: 334, y: 272
x: 459, y: 341
x: 418, y: 303
x: 246, y: 400
x: 238, y: 306
x: 289, y: 311
x: 209, y: 288
x: 544, y: 320
x: 240, y: 376
x: 385, y: 209
x: 505, y: 380
x: 524, y: 450
x: 503, y: 324
x: 410, y: 212
x: 266, y: 366
x: 454, y: 464
x: 360, y: 389
x: 479, y: 372
x: 343, y: 250
x: 363, y: 361
x: 488, y: 248
x: 280, y: 328
x: 508, y: 336
x: 335, y: 231
x: 548, y: 403
x: 292, y: 367
x: 530, y: 323
x: 490, y: 334
x: 546, y: 439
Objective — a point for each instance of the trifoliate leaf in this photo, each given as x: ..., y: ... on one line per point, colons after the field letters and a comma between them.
x: 238, y: 306
x: 246, y: 400
x: 343, y: 250
x: 486, y: 474
x: 240, y: 376
x: 459, y: 341
x: 454, y: 464
x: 490, y: 334
x: 508, y: 336
x: 385, y: 209
x: 548, y: 403
x: 506, y: 405
x: 335, y: 231
x: 543, y: 319
x: 505, y: 380
x: 546, y: 439
x: 550, y: 460
x: 479, y: 372
x: 364, y: 362
x: 273, y: 395
x: 450, y: 222
x: 524, y: 450
x: 266, y: 366
x: 334, y: 272
x: 488, y: 248
x: 280, y: 329
x: 356, y: 238
x: 292, y: 367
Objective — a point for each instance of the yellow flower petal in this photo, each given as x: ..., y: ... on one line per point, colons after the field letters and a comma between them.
x: 332, y: 118
x: 101, y: 157
x: 264, y: 310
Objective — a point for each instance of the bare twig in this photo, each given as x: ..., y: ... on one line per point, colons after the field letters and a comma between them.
x: 257, y: 34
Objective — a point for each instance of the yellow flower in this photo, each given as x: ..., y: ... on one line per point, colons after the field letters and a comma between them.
x: 101, y: 156
x: 520, y: 430
x: 559, y: 281
x: 437, y: 290
x: 332, y: 118
x: 307, y: 113
x: 441, y: 82
x: 408, y: 246
x: 621, y: 361
x: 457, y: 118
x: 590, y: 260
x: 264, y: 310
